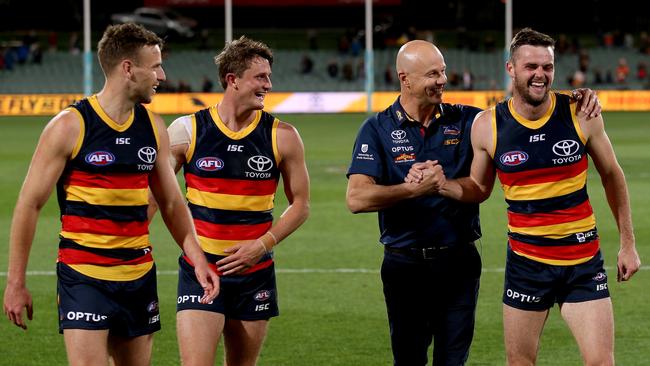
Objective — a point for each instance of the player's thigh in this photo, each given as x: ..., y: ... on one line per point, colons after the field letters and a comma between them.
x: 243, y: 340
x: 131, y: 351
x: 198, y: 334
x: 592, y: 324
x: 522, y: 330
x: 86, y: 347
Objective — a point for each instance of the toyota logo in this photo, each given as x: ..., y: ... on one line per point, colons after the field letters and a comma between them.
x: 398, y: 134
x: 260, y: 163
x: 565, y: 147
x: 147, y: 154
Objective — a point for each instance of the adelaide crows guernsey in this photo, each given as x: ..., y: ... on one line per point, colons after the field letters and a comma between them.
x: 231, y: 179
x: 542, y: 166
x: 103, y: 195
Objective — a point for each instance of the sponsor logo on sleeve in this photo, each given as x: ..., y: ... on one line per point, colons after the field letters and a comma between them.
x: 363, y: 154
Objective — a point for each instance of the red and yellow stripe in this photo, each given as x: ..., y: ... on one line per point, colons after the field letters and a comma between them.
x: 558, y: 255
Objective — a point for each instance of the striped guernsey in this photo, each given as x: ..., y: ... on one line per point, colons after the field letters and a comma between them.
x: 542, y: 166
x: 231, y: 179
x: 103, y: 195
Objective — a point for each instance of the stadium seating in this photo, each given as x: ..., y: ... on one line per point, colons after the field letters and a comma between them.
x: 61, y: 72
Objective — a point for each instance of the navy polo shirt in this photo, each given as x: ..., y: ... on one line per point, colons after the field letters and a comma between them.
x: 388, y: 143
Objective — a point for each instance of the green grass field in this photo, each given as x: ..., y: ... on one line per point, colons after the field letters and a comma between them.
x: 332, y: 310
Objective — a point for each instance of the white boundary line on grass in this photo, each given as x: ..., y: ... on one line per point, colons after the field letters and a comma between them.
x: 298, y: 270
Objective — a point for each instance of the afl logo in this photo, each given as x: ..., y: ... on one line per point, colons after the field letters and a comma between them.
x: 260, y: 163
x: 209, y: 164
x: 599, y: 276
x: 565, y: 147
x: 152, y: 307
x: 147, y: 154
x: 398, y: 134
x: 100, y: 158
x: 263, y: 295
x: 512, y: 158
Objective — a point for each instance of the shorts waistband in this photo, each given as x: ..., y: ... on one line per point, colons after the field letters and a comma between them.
x: 262, y: 264
x: 429, y: 252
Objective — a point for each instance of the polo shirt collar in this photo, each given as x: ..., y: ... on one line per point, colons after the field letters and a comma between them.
x: 401, y: 117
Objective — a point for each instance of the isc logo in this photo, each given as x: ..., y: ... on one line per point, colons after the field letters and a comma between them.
x: 209, y: 164
x: 512, y: 158
x: 100, y: 158
x: 262, y: 307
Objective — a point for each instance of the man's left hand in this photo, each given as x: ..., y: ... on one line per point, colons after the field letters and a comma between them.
x: 628, y: 263
x: 588, y: 102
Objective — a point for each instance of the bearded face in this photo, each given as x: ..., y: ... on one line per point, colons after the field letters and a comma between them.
x: 532, y: 70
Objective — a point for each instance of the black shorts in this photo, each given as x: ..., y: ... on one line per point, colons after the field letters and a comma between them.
x: 532, y: 285
x: 125, y: 308
x: 251, y: 296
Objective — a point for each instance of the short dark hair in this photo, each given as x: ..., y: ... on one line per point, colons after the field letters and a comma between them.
x: 122, y: 41
x: 530, y: 37
x: 237, y: 55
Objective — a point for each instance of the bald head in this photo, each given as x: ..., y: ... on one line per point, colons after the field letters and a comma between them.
x: 417, y: 55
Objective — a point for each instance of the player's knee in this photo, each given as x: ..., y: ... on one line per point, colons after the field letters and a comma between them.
x: 602, y: 358
x: 515, y: 358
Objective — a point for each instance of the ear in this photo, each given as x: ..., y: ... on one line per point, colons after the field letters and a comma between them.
x: 510, y: 68
x: 231, y: 80
x: 126, y: 67
x: 403, y: 79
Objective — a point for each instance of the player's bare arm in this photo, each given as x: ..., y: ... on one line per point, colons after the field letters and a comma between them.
x: 296, y: 188
x: 179, y: 141
x: 54, y: 149
x: 613, y: 180
x: 365, y: 195
x: 180, y: 137
x: 478, y: 186
x: 176, y: 215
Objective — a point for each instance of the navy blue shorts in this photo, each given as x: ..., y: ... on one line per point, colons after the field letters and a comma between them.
x: 432, y: 299
x: 125, y: 308
x: 251, y: 296
x: 532, y: 285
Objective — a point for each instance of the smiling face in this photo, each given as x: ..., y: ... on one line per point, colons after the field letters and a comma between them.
x: 147, y: 73
x: 253, y: 85
x: 532, y: 71
x: 421, y: 70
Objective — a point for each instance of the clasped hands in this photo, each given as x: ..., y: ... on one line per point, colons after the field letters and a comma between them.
x: 427, y: 177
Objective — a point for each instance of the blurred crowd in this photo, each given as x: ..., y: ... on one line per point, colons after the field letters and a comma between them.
x: 347, y: 63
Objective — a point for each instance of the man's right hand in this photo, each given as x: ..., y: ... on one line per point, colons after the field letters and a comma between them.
x: 428, y: 175
x: 16, y: 299
x: 209, y: 281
